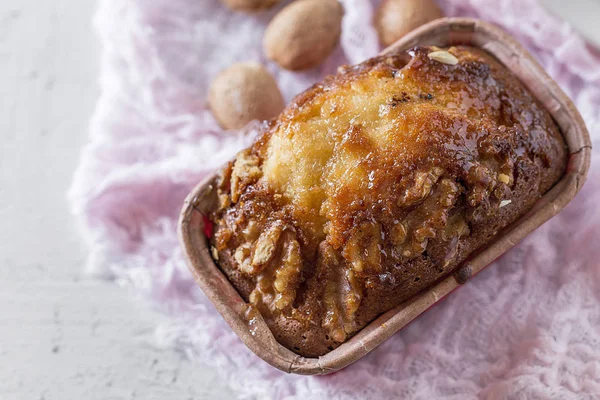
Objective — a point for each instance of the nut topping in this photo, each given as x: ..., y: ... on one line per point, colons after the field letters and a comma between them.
x: 444, y: 57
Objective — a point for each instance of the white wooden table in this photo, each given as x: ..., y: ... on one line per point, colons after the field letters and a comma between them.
x: 64, y: 336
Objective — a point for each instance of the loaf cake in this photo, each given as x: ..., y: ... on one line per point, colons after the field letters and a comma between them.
x: 377, y: 183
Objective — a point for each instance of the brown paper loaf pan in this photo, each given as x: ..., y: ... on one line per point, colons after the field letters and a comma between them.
x: 442, y: 32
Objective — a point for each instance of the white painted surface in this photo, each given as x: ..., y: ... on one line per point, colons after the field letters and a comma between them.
x: 582, y: 14
x: 64, y: 336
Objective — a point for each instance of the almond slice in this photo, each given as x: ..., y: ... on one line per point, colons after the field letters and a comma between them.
x: 505, y: 203
x: 444, y: 57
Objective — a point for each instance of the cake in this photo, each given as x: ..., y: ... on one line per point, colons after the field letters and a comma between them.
x: 375, y: 184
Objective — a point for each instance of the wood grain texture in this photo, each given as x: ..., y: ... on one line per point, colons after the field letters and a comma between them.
x: 64, y: 336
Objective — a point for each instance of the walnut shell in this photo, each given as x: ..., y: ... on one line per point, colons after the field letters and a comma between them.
x: 395, y: 18
x: 249, y: 5
x: 242, y: 93
x: 304, y: 33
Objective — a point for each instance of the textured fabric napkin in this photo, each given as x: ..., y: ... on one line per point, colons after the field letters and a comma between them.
x: 526, y: 327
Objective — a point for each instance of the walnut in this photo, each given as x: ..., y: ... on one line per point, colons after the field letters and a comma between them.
x: 224, y: 201
x: 263, y: 296
x: 265, y: 246
x: 333, y: 317
x: 399, y: 233
x: 422, y: 227
x: 342, y: 298
x: 242, y: 258
x: 481, y: 181
x: 363, y: 249
x: 353, y: 296
x: 251, y: 231
x: 288, y: 275
x: 423, y: 182
x: 277, y: 265
x: 245, y: 171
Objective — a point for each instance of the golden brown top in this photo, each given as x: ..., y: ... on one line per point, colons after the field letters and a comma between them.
x: 376, y: 176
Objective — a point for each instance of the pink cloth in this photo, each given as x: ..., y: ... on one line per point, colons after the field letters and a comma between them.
x: 526, y: 327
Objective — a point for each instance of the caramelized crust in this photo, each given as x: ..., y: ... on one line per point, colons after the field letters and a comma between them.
x: 375, y: 184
